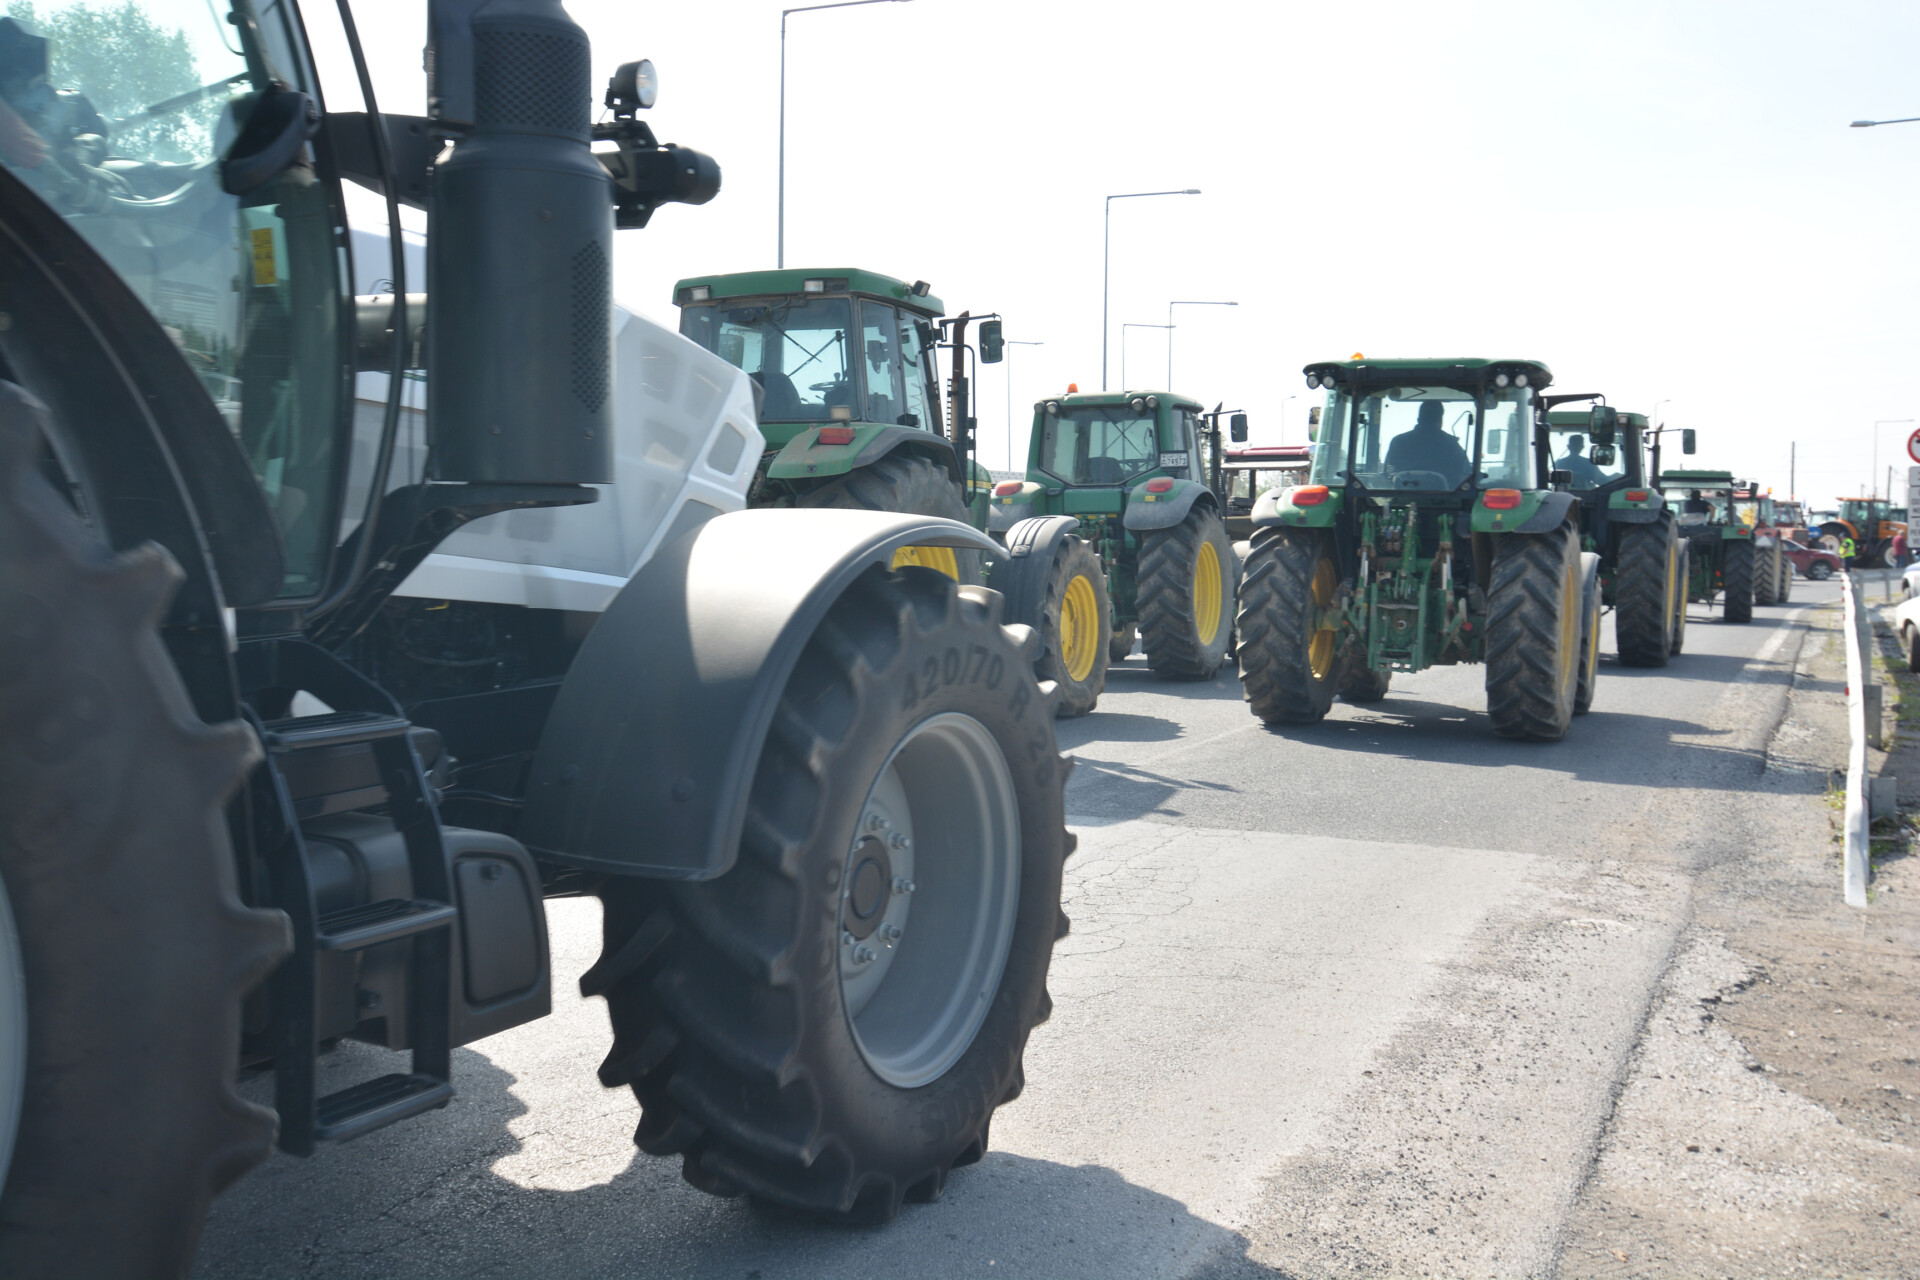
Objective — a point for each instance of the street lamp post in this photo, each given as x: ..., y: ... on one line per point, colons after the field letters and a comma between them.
x: 1123, y: 346
x: 780, y: 245
x: 1868, y: 124
x: 1013, y: 342
x: 1106, y: 262
x: 1170, y: 307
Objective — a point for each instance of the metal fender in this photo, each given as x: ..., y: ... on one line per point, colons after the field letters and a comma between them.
x: 1022, y: 577
x: 1551, y: 514
x: 645, y: 763
x: 1620, y: 511
x: 1163, y: 510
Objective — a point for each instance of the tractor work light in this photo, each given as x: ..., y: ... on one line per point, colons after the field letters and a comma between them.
x: 1309, y: 495
x: 1137, y: 404
x: 1053, y: 408
x: 813, y: 286
x: 700, y: 293
x: 921, y: 288
x: 1153, y: 402
x: 1501, y: 380
x: 1519, y: 379
x: 1500, y: 499
x: 1313, y: 382
x: 1159, y: 484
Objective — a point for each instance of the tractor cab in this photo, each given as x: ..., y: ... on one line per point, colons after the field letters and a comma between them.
x: 1247, y: 473
x: 1706, y: 499
x: 1717, y: 515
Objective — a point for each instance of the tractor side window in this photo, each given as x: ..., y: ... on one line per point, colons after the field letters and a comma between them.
x: 1506, y: 453
x: 1575, y: 454
x: 796, y: 351
x: 880, y: 363
x: 119, y: 116
x: 913, y: 362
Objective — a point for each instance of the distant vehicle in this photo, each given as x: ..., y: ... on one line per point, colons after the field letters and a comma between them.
x: 1910, y: 582
x: 1816, y: 563
x: 1252, y: 470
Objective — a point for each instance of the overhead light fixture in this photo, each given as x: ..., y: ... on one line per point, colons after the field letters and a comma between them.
x: 700, y: 293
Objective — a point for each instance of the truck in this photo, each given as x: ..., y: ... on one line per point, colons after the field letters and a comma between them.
x: 1115, y: 534
x: 259, y: 801
x: 844, y: 362
x: 1426, y: 536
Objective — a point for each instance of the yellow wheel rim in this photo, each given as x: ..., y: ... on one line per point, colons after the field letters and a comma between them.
x: 1569, y: 624
x: 1674, y: 585
x: 1079, y: 628
x: 941, y: 558
x: 1320, y: 647
x: 1207, y: 592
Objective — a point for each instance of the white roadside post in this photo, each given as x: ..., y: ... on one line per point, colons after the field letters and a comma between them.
x: 1855, y: 814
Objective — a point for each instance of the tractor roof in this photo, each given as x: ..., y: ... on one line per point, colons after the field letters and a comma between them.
x: 1073, y: 398
x: 825, y: 280
x: 1699, y: 479
x: 1578, y: 418
x: 1381, y: 372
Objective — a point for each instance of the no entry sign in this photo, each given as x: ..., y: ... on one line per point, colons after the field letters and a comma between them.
x: 1913, y: 446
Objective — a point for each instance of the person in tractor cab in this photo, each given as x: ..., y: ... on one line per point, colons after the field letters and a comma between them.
x: 1695, y: 509
x: 1428, y: 447
x: 1585, y: 475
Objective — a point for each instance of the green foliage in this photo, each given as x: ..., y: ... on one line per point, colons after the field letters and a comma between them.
x: 124, y: 62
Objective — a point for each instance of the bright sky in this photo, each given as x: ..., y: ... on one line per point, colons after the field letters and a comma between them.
x: 1662, y: 201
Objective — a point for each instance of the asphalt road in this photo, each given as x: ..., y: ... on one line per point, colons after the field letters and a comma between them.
x: 1351, y: 997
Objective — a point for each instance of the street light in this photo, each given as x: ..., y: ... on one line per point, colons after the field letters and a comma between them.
x: 1106, y: 262
x: 1123, y: 347
x: 1170, y: 307
x: 780, y: 248
x: 1868, y: 124
x: 1013, y: 342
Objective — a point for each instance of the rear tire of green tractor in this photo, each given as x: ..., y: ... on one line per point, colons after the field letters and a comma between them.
x: 1680, y: 599
x: 1361, y: 685
x: 1766, y: 575
x: 134, y: 949
x: 1736, y: 581
x: 1184, y: 596
x: 911, y: 485
x: 1785, y: 594
x: 1589, y: 679
x: 1289, y: 654
x: 1649, y: 588
x: 1076, y: 640
x: 1534, y: 634
x: 910, y: 763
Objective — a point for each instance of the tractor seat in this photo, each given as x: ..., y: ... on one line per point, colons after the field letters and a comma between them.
x: 1101, y: 470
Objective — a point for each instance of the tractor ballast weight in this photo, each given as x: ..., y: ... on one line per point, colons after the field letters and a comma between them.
x: 1423, y: 538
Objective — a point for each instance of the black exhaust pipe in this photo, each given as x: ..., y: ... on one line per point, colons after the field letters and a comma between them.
x: 519, y: 250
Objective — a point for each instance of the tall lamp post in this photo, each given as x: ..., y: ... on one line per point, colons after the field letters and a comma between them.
x: 1868, y: 124
x: 1106, y: 262
x: 1013, y: 342
x: 780, y: 246
x: 1170, y: 307
x: 1123, y: 346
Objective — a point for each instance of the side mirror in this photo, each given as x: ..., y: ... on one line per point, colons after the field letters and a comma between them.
x: 1602, y: 422
x: 992, y: 345
x: 1686, y: 440
x: 1602, y: 455
x: 1237, y: 428
x: 1313, y: 424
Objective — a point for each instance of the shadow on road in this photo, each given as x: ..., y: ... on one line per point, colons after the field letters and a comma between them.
x: 426, y: 1199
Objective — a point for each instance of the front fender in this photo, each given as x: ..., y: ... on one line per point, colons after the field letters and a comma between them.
x: 1538, y: 512
x: 1275, y: 507
x: 1162, y: 510
x: 805, y: 458
x: 1621, y: 510
x: 1023, y: 576
x: 645, y: 763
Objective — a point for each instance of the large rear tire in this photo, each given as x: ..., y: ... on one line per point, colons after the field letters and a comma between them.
x: 1289, y: 650
x: 1784, y: 594
x: 1766, y: 575
x: 1736, y: 580
x: 1649, y: 589
x: 1680, y: 599
x: 911, y: 762
x: 911, y: 485
x: 1184, y: 596
x: 1065, y: 602
x: 1589, y: 679
x: 1534, y: 634
x: 134, y: 947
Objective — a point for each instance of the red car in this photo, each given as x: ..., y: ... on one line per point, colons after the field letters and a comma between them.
x: 1816, y: 563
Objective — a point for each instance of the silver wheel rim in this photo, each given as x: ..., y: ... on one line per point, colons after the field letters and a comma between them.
x: 13, y: 1032
x: 929, y: 893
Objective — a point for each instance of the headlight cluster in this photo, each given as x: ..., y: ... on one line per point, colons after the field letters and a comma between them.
x: 1503, y: 381
x: 1053, y: 408
x: 1315, y: 381
x: 1140, y: 404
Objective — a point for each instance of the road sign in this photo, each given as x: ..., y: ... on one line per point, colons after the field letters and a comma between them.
x: 1913, y: 491
x: 1913, y: 446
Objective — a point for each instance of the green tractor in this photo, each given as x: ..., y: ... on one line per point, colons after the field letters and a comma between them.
x: 1719, y: 535
x: 1425, y: 538
x: 1599, y: 455
x: 1116, y: 533
x: 848, y: 386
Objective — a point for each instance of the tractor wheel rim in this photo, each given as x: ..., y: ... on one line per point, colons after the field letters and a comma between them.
x: 1673, y: 579
x: 1326, y: 580
x: 1207, y: 593
x: 1079, y: 628
x: 1570, y: 625
x: 929, y: 896
x: 1591, y: 659
x: 941, y: 558
x: 13, y: 1032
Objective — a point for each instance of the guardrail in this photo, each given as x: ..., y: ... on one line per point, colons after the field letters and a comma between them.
x: 1858, y: 631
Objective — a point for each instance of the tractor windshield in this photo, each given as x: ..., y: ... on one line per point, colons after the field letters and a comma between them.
x: 1423, y: 439
x: 1700, y: 506
x: 1099, y: 444
x: 1591, y: 466
x: 796, y: 350
x: 119, y: 117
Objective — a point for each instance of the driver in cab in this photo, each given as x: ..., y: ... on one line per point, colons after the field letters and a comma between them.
x: 1583, y: 471
x: 1428, y: 447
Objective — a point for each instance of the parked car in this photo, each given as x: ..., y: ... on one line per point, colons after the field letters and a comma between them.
x: 1906, y: 622
x: 1816, y: 563
x: 1910, y: 582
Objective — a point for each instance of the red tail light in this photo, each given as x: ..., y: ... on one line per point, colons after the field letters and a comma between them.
x: 1159, y: 484
x: 1636, y: 495
x: 1309, y: 495
x: 1006, y: 487
x: 836, y: 435
x: 1500, y: 499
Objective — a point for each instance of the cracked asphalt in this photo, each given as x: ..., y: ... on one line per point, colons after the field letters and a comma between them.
x: 1355, y: 998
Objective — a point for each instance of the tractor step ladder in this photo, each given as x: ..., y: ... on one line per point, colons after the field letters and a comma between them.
x: 306, y: 1117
